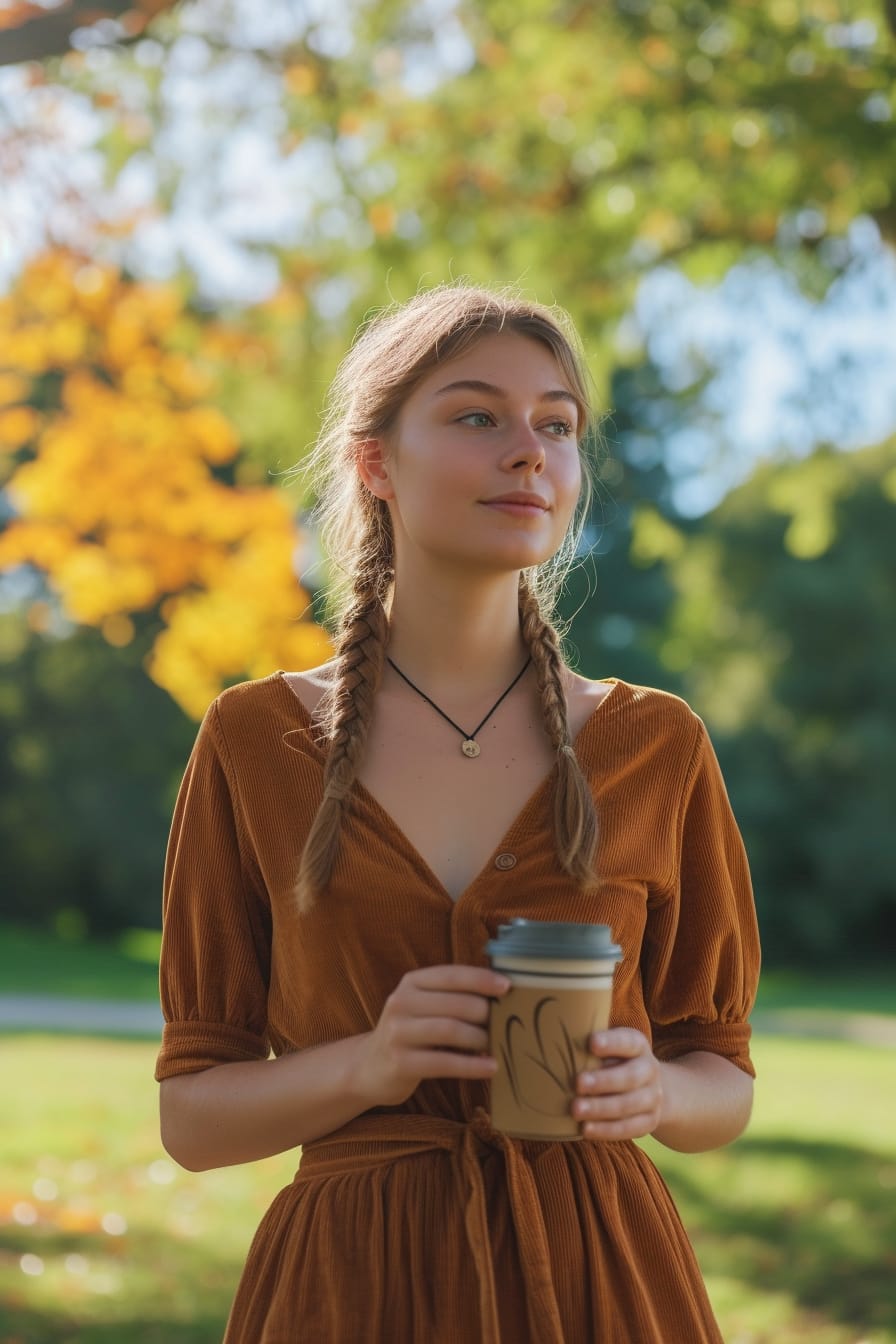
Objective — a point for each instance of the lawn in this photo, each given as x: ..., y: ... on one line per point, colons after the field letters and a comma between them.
x: 34, y: 962
x: 104, y: 1241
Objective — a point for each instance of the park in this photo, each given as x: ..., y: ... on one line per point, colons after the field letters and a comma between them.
x: 199, y: 212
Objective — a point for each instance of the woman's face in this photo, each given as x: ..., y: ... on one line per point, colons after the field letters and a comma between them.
x: 497, y: 421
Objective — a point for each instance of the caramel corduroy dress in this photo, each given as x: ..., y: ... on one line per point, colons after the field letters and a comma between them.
x: 420, y: 1224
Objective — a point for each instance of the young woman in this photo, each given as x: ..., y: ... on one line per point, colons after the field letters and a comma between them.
x: 346, y: 840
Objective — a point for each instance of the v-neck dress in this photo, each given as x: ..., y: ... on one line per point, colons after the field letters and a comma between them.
x: 421, y: 1222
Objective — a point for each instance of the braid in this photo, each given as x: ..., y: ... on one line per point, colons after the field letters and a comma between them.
x: 347, y: 711
x: 575, y: 820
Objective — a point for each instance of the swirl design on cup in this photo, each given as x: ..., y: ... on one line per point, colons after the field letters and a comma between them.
x: 560, y: 1072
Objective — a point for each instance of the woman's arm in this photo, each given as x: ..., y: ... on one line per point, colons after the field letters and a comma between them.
x: 433, y: 1025
x: 693, y: 1103
x: 240, y: 1112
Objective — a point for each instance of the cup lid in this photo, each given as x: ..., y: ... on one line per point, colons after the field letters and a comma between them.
x: 543, y: 938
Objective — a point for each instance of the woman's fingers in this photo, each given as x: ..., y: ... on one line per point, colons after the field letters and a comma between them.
x: 433, y: 1003
x: 616, y: 1077
x: 621, y: 1042
x: 622, y: 1097
x: 460, y: 979
x: 633, y: 1127
x: 619, y: 1107
x: 442, y: 1031
x: 450, y: 1064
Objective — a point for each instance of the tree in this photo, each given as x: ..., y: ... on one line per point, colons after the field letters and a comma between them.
x: 91, y: 754
x: 576, y: 147
x: 782, y: 632
x: 127, y: 482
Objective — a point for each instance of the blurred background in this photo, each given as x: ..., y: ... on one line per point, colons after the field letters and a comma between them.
x: 199, y: 204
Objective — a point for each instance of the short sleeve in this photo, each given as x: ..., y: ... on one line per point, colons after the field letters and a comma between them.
x: 215, y: 961
x: 700, y: 959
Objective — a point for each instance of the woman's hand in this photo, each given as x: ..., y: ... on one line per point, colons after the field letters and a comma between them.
x: 433, y: 1025
x: 622, y: 1098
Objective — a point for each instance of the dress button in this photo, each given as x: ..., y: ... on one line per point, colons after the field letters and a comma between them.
x: 505, y: 861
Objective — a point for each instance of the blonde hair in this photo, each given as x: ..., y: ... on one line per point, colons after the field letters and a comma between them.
x: 394, y: 351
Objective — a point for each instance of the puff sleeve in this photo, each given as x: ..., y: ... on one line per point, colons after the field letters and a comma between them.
x: 215, y: 962
x: 700, y: 957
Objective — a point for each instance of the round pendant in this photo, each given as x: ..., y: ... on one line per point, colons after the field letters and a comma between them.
x: 470, y: 748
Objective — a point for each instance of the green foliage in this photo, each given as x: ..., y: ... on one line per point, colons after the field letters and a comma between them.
x: 785, y: 601
x: 91, y: 753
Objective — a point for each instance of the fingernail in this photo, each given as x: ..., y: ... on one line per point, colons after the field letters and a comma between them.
x: 589, y: 1079
x: 599, y: 1039
x: 502, y: 984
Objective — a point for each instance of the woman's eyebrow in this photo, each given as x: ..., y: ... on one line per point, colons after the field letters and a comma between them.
x: 476, y: 385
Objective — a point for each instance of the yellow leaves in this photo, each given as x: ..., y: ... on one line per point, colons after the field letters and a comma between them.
x: 43, y: 545
x: 382, y: 218
x: 247, y: 623
x: 65, y: 340
x: 13, y: 387
x: 213, y: 436
x: 183, y: 378
x: 350, y: 123
x: 658, y: 53
x: 118, y: 630
x: 18, y: 426
x: 300, y: 79
x: 492, y: 53
x: 25, y: 349
x: 120, y: 501
x: 632, y: 80
x: 664, y: 227
x: 94, y: 585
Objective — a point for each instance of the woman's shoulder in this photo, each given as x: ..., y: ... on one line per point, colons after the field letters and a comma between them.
x: 630, y: 705
x: 246, y: 705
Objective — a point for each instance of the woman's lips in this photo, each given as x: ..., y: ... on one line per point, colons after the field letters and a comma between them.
x: 517, y: 510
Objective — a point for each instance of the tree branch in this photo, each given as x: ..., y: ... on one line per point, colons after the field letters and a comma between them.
x: 49, y: 33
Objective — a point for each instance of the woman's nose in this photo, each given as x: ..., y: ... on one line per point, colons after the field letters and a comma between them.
x: 526, y: 450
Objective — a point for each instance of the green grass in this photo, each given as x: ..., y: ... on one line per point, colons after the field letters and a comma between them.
x: 794, y: 1225
x: 855, y: 991
x: 33, y: 962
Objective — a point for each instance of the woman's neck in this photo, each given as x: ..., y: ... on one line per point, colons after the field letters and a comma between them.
x: 443, y: 634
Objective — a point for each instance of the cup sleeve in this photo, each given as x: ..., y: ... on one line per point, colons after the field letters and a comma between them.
x: 216, y: 929
x: 700, y: 959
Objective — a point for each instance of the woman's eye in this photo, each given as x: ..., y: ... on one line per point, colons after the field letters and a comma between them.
x: 481, y: 419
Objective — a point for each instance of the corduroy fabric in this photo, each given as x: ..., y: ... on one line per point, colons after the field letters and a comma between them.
x: 420, y: 1222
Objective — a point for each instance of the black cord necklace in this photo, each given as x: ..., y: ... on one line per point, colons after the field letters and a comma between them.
x: 470, y: 747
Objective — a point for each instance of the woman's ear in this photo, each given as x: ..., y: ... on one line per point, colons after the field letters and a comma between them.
x: 373, y: 468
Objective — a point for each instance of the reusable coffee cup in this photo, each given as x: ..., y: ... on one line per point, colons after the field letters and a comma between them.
x: 561, y: 987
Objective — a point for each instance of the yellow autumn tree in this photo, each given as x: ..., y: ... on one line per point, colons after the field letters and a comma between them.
x: 123, y: 486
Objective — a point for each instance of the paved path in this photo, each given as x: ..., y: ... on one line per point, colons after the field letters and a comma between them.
x: 108, y: 1017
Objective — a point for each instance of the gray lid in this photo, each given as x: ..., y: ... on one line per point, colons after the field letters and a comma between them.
x: 540, y: 938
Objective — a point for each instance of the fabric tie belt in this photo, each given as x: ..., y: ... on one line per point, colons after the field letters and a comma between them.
x: 372, y: 1139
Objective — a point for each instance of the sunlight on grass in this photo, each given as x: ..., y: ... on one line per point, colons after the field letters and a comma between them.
x: 104, y: 1240
x: 795, y: 1224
